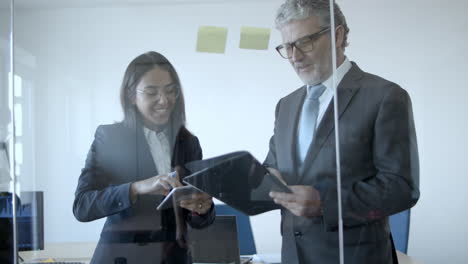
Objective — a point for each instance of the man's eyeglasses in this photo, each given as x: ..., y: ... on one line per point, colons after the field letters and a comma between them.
x: 169, y: 92
x: 304, y: 44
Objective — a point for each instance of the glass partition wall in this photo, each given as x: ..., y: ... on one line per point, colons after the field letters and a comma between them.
x: 109, y: 99
x: 7, y: 104
x: 105, y: 90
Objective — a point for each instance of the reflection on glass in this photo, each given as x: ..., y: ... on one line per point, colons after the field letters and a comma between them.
x: 74, y: 82
x: 19, y: 154
x: 5, y: 124
x: 29, y: 217
x: 18, y: 86
x: 133, y: 164
x: 6, y: 213
x: 217, y: 243
x: 6, y: 228
x: 19, y: 120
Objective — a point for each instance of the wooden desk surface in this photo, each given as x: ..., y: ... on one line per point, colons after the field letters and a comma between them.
x: 80, y: 252
x: 83, y: 251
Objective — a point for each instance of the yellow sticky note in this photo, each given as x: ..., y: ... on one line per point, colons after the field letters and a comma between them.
x: 212, y: 39
x: 254, y: 38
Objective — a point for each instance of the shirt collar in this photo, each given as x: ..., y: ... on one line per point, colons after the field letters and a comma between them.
x: 340, y: 73
x: 148, y: 131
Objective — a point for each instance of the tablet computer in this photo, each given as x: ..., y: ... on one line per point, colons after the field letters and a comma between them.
x: 237, y: 179
x: 277, y: 184
x: 178, y: 194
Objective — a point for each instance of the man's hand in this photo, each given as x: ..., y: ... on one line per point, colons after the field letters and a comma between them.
x: 304, y: 201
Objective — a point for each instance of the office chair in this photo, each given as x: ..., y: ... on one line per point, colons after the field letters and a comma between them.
x: 244, y: 229
x: 399, y: 226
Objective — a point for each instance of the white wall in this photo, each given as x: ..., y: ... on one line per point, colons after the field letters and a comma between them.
x: 81, y: 54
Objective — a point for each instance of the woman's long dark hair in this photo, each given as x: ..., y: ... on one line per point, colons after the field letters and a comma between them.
x: 135, y: 71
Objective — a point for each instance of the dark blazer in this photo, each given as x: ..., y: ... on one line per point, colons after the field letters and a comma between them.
x: 119, y: 156
x: 379, y: 169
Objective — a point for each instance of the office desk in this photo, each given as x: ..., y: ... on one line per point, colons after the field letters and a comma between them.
x: 83, y: 251
x: 80, y: 252
x: 405, y: 259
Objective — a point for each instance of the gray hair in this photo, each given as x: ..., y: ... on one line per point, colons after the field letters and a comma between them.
x: 302, y: 9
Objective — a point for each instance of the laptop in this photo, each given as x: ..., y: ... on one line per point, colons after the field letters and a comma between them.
x: 216, y: 243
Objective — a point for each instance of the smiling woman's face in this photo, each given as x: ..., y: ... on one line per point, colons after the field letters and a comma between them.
x: 156, y: 97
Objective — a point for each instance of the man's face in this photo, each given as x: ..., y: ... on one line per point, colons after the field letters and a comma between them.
x: 313, y: 67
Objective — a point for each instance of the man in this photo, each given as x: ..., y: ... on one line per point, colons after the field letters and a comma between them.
x: 379, y: 159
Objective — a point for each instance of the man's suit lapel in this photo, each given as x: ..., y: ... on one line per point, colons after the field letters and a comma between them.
x: 346, y: 90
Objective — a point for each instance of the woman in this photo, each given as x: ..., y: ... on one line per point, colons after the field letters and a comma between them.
x: 119, y: 182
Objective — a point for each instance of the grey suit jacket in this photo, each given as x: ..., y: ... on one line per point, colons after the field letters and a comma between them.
x: 379, y: 168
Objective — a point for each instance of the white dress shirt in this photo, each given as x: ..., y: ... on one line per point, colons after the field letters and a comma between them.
x: 326, y: 97
x: 160, y: 150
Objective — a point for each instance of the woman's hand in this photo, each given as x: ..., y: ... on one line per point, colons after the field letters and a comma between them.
x: 160, y: 184
x: 199, y: 203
